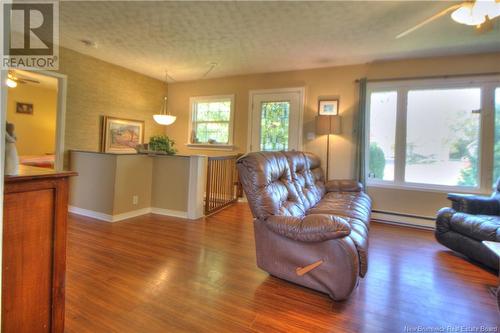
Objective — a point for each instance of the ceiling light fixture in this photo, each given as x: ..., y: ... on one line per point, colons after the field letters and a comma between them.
x: 11, y: 83
x: 164, y: 118
x: 476, y: 13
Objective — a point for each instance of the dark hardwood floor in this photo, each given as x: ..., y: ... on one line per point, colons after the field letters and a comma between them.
x: 159, y: 274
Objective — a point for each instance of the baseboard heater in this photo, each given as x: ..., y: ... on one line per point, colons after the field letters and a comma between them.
x: 407, y: 220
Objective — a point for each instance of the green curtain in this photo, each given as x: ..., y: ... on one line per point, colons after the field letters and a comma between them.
x: 361, y: 133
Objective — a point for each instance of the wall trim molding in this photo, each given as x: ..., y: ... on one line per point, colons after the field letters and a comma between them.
x: 302, y: 105
x: 62, y: 88
x: 131, y: 214
x: 169, y: 212
x: 128, y: 215
x: 419, y: 222
x: 90, y: 213
x: 3, y: 117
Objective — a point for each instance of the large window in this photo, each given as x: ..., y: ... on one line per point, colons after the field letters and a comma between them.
x: 496, y: 169
x: 211, y: 121
x: 442, y: 136
x: 383, y: 106
x: 429, y: 134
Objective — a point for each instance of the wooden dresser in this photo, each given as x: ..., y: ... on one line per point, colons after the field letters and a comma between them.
x: 34, y: 251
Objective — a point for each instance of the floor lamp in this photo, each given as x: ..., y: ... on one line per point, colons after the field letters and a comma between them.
x: 328, y: 125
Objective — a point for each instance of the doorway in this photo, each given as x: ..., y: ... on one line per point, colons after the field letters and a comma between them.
x: 275, y: 121
x: 36, y: 107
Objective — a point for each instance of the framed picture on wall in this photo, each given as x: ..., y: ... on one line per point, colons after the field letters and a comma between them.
x: 26, y: 108
x: 328, y: 107
x: 121, y: 135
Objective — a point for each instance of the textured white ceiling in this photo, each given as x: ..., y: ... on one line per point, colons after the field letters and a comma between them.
x: 257, y: 37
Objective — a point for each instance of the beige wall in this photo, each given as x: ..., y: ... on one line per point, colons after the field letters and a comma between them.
x: 170, y: 188
x: 412, y: 202
x: 94, y: 187
x: 133, y: 178
x: 97, y: 88
x: 334, y: 81
x: 107, y: 183
x: 35, y: 132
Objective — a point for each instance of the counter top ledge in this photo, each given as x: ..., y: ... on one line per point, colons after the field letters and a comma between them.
x: 132, y: 154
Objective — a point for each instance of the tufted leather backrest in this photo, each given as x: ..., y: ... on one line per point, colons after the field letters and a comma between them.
x: 281, y: 183
x: 268, y: 185
x: 316, y: 172
x: 307, y: 177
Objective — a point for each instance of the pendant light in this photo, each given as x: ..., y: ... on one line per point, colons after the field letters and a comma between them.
x: 164, y: 118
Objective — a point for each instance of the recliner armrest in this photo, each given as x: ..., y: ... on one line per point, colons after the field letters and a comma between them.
x: 473, y: 204
x: 343, y: 185
x: 309, y: 228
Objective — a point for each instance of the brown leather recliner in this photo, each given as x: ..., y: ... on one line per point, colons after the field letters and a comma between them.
x: 307, y: 232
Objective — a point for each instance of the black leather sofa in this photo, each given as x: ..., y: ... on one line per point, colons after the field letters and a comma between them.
x: 471, y: 220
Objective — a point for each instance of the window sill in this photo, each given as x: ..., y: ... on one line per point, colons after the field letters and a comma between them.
x: 428, y: 188
x: 208, y: 146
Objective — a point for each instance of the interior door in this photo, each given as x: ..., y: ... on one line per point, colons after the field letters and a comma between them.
x: 276, y: 121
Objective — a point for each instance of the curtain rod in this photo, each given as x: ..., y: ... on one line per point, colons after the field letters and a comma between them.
x: 430, y: 77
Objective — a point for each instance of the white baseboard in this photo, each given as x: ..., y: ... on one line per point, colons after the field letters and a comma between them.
x: 169, y: 212
x: 90, y: 213
x: 404, y: 220
x: 128, y: 215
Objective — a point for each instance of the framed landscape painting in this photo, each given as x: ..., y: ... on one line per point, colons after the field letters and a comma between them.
x: 121, y: 135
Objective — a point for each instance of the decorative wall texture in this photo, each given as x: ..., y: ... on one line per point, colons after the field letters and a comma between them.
x: 97, y: 88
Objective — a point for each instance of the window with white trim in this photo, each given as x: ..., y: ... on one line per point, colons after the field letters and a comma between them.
x: 211, y: 121
x: 496, y: 162
x: 431, y: 134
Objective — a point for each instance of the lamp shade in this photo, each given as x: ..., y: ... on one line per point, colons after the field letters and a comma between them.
x: 164, y: 118
x: 326, y: 125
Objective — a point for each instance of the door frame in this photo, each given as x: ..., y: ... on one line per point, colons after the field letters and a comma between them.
x: 3, y: 116
x: 62, y: 88
x: 253, y: 93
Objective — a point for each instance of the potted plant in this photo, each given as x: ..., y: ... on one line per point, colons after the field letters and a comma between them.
x: 162, y: 144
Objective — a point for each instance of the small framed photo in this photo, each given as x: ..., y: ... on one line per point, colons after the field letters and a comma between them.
x: 328, y: 107
x: 26, y: 108
x: 121, y: 135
